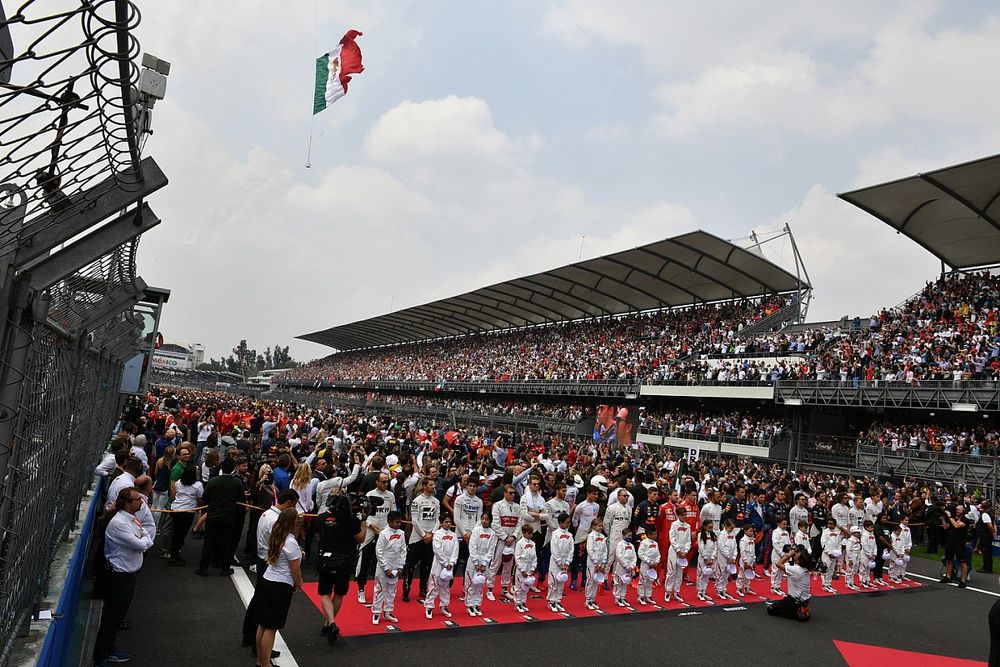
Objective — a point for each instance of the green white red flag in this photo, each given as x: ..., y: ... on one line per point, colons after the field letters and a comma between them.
x: 334, y: 70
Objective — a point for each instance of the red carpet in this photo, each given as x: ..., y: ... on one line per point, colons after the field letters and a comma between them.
x: 354, y: 619
x: 862, y: 655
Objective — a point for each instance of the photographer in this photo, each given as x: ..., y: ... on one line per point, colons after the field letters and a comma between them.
x: 797, y: 565
x: 343, y: 528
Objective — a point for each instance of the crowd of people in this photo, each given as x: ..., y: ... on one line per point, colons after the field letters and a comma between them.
x: 736, y: 426
x: 631, y: 346
x: 501, y: 513
x: 946, y: 332
x: 973, y: 441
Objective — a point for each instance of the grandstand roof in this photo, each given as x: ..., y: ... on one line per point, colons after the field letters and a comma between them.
x: 954, y: 212
x: 692, y: 268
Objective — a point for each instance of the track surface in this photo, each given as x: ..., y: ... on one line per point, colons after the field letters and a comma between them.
x: 183, y: 619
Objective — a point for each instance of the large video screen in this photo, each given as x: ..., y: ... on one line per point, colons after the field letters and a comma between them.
x: 616, y: 424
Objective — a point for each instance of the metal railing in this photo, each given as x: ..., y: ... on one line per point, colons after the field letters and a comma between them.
x: 595, y: 388
x: 70, y: 160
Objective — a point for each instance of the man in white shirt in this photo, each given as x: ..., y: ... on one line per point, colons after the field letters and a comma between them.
x: 125, y: 541
x: 533, y: 513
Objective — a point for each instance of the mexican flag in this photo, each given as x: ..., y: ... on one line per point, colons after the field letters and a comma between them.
x: 334, y: 70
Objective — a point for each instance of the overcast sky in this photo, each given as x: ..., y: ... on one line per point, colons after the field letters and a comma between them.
x: 484, y: 139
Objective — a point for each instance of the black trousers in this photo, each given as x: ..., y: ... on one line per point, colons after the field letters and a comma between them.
x: 239, y: 518
x: 787, y: 607
x: 250, y: 619
x: 119, y: 587
x: 879, y: 563
x: 250, y: 546
x: 182, y: 524
x: 579, y: 563
x: 367, y: 565
x: 419, y: 553
x: 217, y: 543
x: 986, y: 544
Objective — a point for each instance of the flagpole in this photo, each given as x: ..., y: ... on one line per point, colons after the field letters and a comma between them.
x: 312, y: 118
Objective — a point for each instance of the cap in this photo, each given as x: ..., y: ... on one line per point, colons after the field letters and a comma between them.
x: 640, y: 531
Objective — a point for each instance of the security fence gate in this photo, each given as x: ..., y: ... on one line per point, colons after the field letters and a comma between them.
x: 72, y: 185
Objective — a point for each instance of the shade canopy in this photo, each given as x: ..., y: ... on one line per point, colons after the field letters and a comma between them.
x: 954, y: 213
x: 688, y: 269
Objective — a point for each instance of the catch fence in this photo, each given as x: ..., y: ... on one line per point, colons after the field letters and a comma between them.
x: 72, y: 189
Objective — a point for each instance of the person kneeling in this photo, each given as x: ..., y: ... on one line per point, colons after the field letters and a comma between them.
x: 796, y: 565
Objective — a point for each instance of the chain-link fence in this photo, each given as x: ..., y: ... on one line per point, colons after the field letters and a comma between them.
x: 70, y: 145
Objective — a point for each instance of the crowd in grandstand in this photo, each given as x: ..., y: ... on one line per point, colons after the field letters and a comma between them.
x: 646, y: 504
x: 610, y: 348
x: 948, y: 331
x: 968, y: 440
x: 736, y: 426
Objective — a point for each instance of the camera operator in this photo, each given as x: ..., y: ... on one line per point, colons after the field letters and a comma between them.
x: 956, y: 534
x: 344, y: 526
x: 797, y: 564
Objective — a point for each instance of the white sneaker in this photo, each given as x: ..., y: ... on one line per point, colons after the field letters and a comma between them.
x: 559, y: 607
x: 677, y: 598
x: 389, y: 617
x: 829, y: 589
x: 472, y: 611
x: 445, y: 612
x: 428, y: 612
x: 479, y: 612
x: 552, y: 608
x: 490, y: 596
x: 361, y: 597
x: 375, y: 619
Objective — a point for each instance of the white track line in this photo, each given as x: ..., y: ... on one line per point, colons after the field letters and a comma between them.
x: 245, y: 589
x: 969, y: 588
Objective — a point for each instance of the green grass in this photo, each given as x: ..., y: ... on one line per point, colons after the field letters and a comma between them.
x: 921, y: 551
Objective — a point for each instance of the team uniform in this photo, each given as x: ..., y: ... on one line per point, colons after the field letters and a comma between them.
x: 680, y: 545
x: 445, y: 557
x: 561, y: 549
x: 779, y: 540
x: 649, y: 559
x: 708, y: 551
x: 747, y: 561
x: 852, y: 559
x: 583, y: 516
x: 802, y: 539
x: 831, y: 542
x: 507, y: 524
x: 482, y: 547
x: 390, y: 556
x: 869, y: 548
x: 525, y: 561
x: 425, y: 512
x: 597, y: 556
x: 616, y: 518
x: 624, y: 567
x: 728, y: 552
x: 898, y: 566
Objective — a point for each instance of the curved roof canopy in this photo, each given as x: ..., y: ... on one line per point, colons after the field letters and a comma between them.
x: 954, y: 213
x: 692, y: 268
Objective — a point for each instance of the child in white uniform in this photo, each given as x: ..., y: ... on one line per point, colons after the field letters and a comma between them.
x: 747, y: 560
x: 525, y: 562
x: 649, y: 558
x: 708, y: 551
x: 561, y: 547
x: 728, y: 551
x: 390, y: 552
x: 624, y: 567
x: 831, y: 542
x: 482, y: 547
x: 869, y: 548
x: 445, y: 554
x: 597, y: 561
x: 680, y: 545
x: 779, y: 540
x: 852, y: 557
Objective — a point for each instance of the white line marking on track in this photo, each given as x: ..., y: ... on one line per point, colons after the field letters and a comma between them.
x: 245, y: 589
x: 969, y: 588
